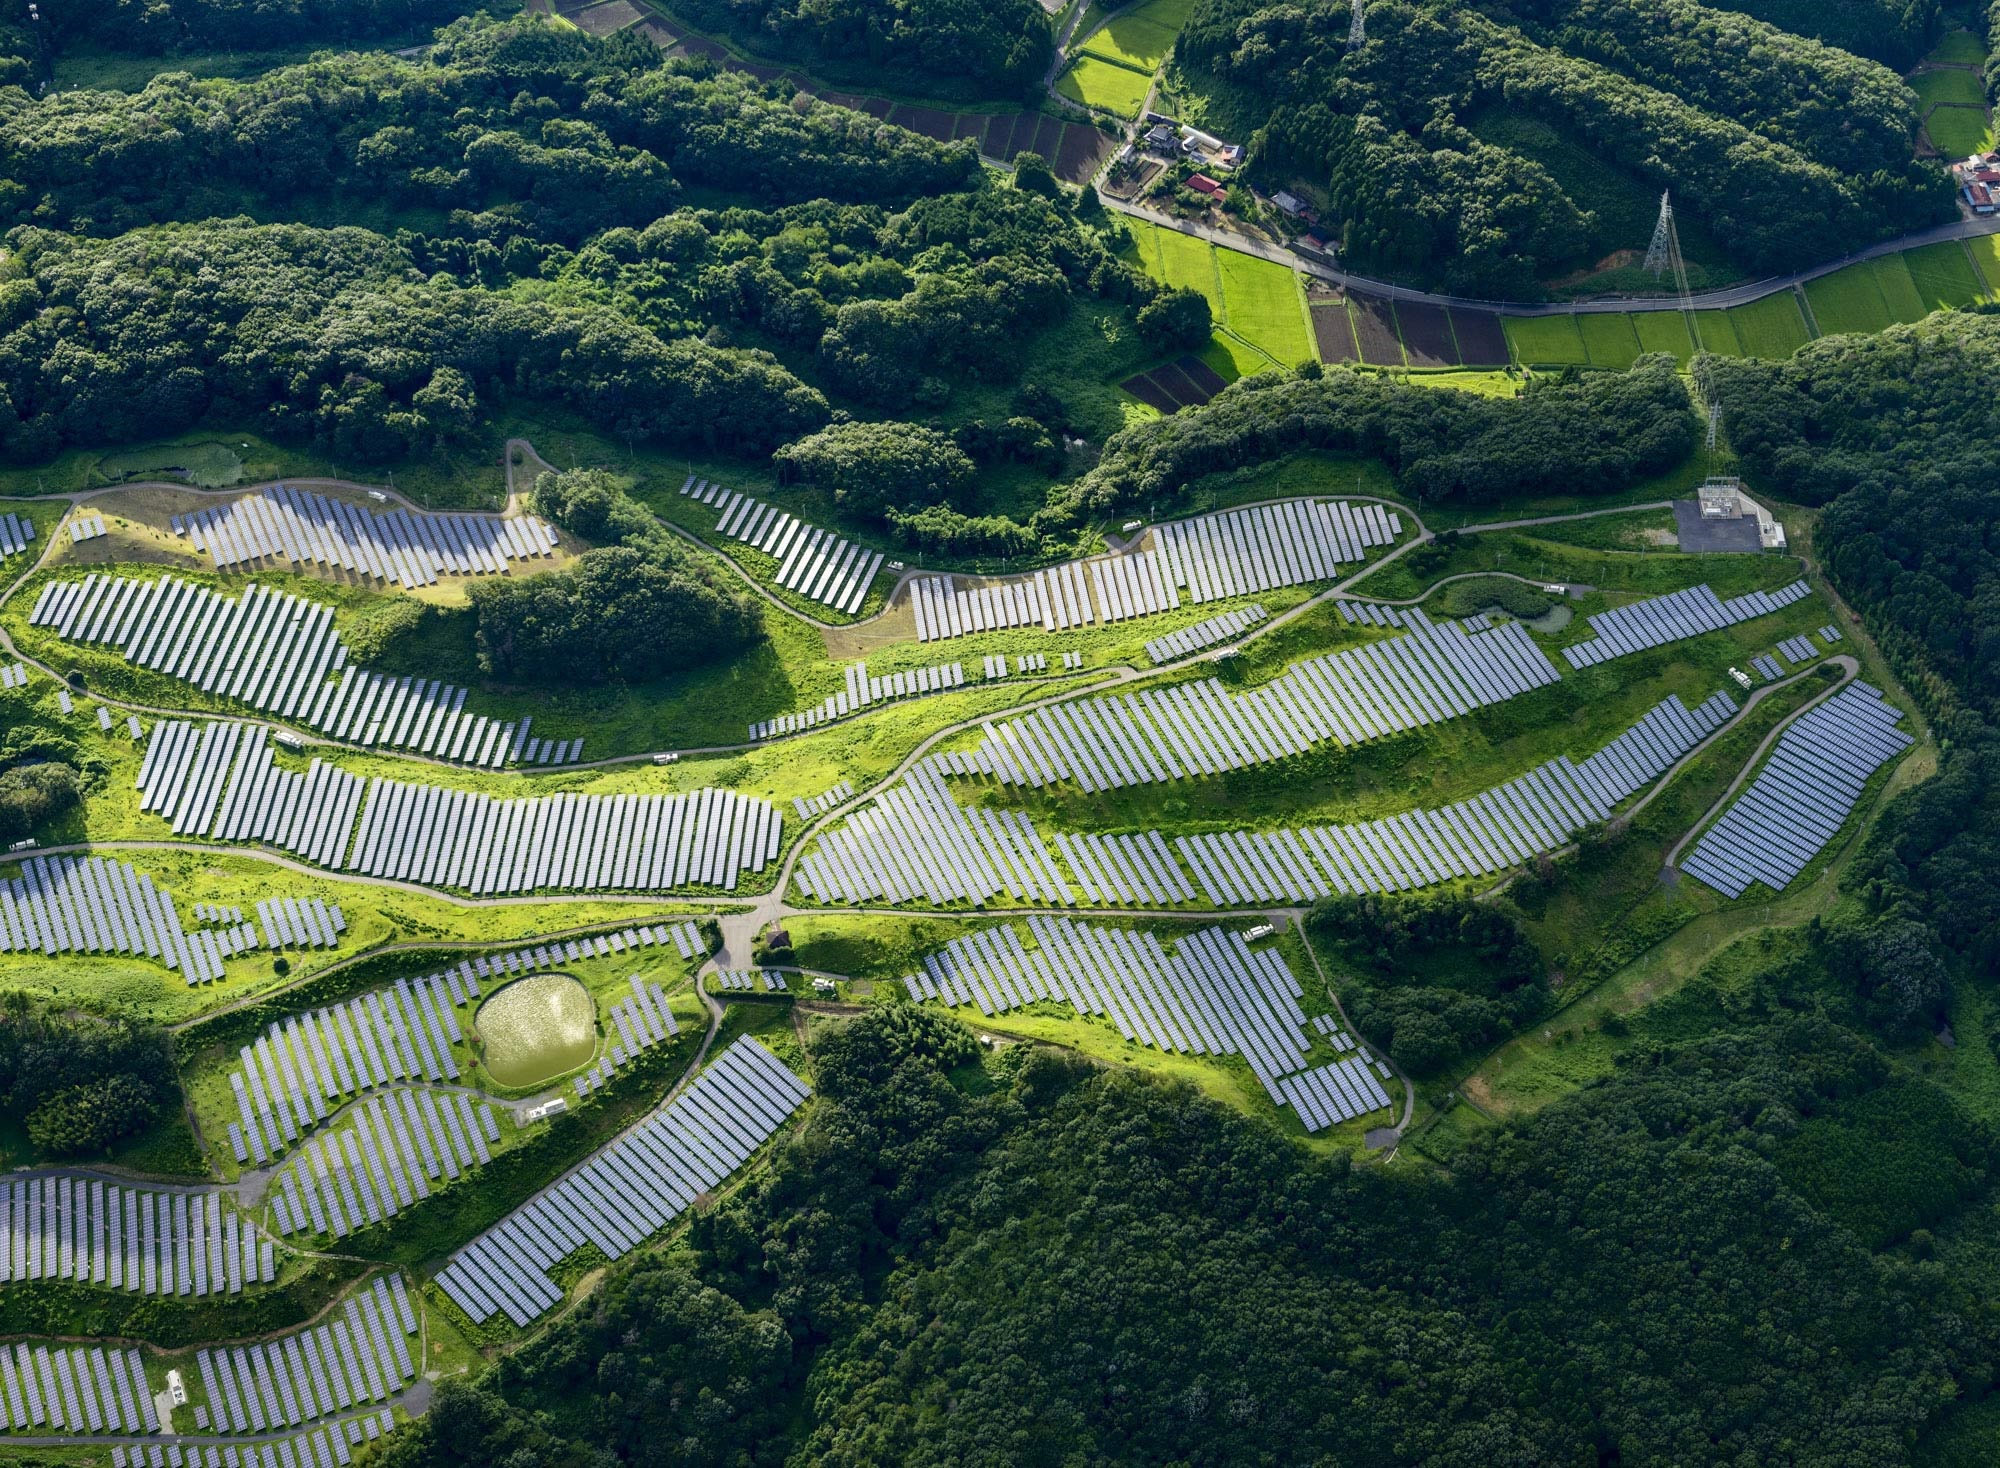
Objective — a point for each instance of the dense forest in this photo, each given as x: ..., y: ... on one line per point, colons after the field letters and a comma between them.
x: 1896, y: 33
x: 1776, y: 142
x: 78, y: 1084
x: 637, y: 605
x: 1896, y: 436
x: 943, y: 48
x: 535, y: 248
x: 1044, y: 1261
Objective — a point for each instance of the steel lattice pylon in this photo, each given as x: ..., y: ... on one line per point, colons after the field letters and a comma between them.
x: 1358, y: 32
x: 1659, y: 255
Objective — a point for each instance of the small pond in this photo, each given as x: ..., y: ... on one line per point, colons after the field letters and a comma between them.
x: 536, y: 1029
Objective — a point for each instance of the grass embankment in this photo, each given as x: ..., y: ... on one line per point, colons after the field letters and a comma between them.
x: 208, y: 1052
x: 1631, y: 939
x: 1426, y: 767
x: 883, y: 949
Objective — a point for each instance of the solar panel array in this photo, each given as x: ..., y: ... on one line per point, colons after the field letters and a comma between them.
x: 311, y: 814
x: 750, y: 980
x: 1205, y: 634
x: 1376, y: 614
x: 1260, y: 547
x: 1659, y: 620
x: 277, y: 653
x: 300, y: 922
x: 915, y: 840
x: 361, y: 1355
x: 816, y: 563
x: 1214, y: 995
x: 631, y: 1189
x: 1027, y: 662
x: 402, y: 1033
x: 148, y: 1241
x: 1167, y: 733
x: 1798, y: 802
x: 1829, y: 634
x: 74, y: 1390
x: 15, y: 675
x: 388, y: 1150
x: 1055, y: 600
x: 410, y: 549
x: 1486, y: 833
x: 1798, y: 649
x: 825, y: 801
x: 17, y: 533
x: 484, y: 845
x: 1131, y: 584
x: 1769, y: 666
x: 864, y: 688
x: 1130, y: 871
x: 87, y: 527
x: 303, y: 1067
x: 1324, y: 1095
x: 90, y: 904
x: 326, y: 1446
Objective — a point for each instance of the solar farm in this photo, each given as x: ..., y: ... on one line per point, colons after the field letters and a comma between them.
x: 1093, y: 801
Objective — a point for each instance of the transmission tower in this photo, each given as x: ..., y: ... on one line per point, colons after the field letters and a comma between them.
x: 1659, y: 255
x: 1664, y: 255
x: 1358, y: 32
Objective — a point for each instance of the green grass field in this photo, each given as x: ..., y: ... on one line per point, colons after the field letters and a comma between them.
x: 1959, y: 132
x: 1952, y: 86
x: 1848, y: 300
x: 1962, y: 47
x: 1663, y: 331
x: 1552, y: 341
x: 1610, y: 340
x: 1105, y: 85
x: 1985, y: 251
x: 1132, y: 38
x: 1262, y: 301
x: 1773, y: 327
x: 1718, y: 334
x: 1899, y: 291
x: 1260, y: 317
x: 1943, y: 275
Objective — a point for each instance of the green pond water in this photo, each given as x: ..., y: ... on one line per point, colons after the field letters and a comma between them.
x: 535, y: 1029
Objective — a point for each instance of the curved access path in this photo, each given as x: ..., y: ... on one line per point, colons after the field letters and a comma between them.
x: 1850, y: 669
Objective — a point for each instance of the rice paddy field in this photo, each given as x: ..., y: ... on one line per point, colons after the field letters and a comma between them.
x: 1117, y: 55
x: 1107, y: 86
x: 1260, y: 314
x: 1863, y: 297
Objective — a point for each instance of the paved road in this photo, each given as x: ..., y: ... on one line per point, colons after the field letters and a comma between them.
x: 1735, y: 295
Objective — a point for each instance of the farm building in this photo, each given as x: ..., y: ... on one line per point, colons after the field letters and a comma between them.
x: 1201, y: 183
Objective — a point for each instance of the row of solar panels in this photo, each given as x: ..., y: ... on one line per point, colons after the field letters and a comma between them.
x: 629, y: 1190
x: 145, y: 1240
x: 90, y: 904
x: 358, y: 1357
x: 307, y: 528
x: 383, y: 1159
x: 1358, y: 694
x: 1797, y: 803
x: 916, y: 840
x: 1205, y: 633
x: 863, y: 689
x: 1659, y: 620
